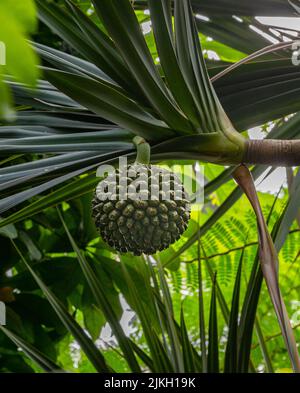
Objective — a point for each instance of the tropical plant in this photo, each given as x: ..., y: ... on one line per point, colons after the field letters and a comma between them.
x: 86, y: 112
x: 16, y: 21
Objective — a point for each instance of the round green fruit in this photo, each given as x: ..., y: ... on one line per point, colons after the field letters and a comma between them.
x: 143, y: 209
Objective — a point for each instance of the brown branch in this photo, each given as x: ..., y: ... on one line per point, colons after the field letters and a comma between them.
x: 296, y: 257
x: 272, y: 152
x: 278, y: 334
x: 261, y: 52
x: 220, y: 254
x: 239, y: 248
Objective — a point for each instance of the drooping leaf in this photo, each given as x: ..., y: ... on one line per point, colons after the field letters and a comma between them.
x: 39, y: 358
x: 87, y: 345
x: 130, y: 41
x: 103, y: 303
x: 269, y: 264
x: 231, y: 355
x: 213, y: 341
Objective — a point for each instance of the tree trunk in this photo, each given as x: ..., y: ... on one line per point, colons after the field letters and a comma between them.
x: 272, y: 152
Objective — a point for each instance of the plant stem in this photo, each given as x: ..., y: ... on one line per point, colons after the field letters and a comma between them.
x: 272, y: 152
x: 143, y: 150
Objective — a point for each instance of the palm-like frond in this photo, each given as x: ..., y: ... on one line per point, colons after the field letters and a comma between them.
x: 55, y: 112
x: 223, y: 7
x: 90, y: 106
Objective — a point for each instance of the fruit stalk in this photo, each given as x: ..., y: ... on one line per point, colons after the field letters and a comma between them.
x: 143, y: 150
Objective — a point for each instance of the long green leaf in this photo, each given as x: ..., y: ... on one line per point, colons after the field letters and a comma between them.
x: 250, y: 304
x: 197, y: 358
x: 188, y: 355
x: 161, y: 360
x: 86, y: 344
x: 201, y: 306
x: 194, y: 70
x: 103, y: 302
x: 231, y: 7
x: 34, y: 354
x: 263, y: 346
x: 48, y: 200
x: 248, y: 316
x: 173, y: 336
x: 213, y: 343
x: 290, y: 213
x: 106, y: 101
x: 269, y: 265
x: 231, y: 354
x: 67, y: 62
x: 161, y: 18
x: 101, y: 51
x: 127, y: 35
